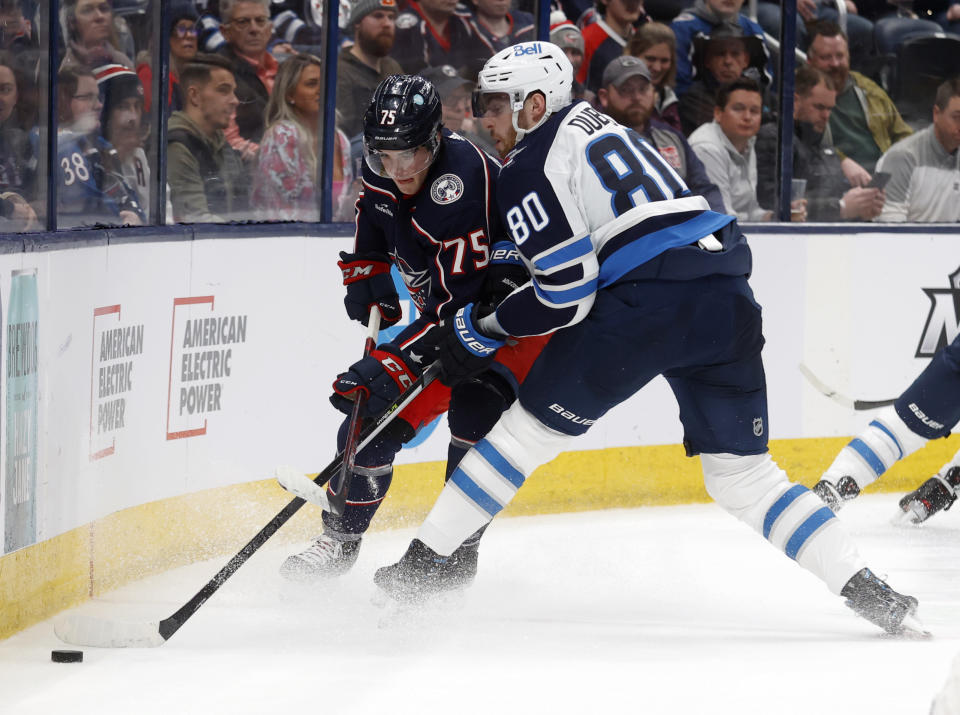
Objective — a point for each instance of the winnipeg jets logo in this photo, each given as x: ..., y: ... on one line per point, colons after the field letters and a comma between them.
x: 417, y: 282
x: 943, y: 320
x: 446, y: 189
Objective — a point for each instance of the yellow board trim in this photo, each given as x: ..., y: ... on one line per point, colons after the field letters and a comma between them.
x: 42, y: 580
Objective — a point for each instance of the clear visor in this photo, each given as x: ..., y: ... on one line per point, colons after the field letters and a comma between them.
x: 490, y: 105
x: 400, y: 163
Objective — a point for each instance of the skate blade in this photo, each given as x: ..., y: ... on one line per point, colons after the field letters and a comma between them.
x: 905, y: 519
x: 913, y: 629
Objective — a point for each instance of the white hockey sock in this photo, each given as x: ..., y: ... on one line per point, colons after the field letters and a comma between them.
x: 756, y: 491
x: 488, y: 476
x: 868, y: 455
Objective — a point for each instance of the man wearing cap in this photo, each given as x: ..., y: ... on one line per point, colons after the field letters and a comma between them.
x: 454, y: 93
x: 718, y: 59
x: 703, y: 20
x: 568, y: 38
x: 121, y: 121
x: 627, y: 94
x: 367, y: 62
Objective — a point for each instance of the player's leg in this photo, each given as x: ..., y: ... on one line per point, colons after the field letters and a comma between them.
x: 723, y: 407
x: 335, y: 551
x: 928, y: 409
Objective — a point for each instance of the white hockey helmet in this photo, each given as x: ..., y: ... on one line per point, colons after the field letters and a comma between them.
x: 522, y: 69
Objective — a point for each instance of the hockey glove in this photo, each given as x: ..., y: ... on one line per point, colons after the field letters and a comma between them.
x: 382, y: 376
x: 505, y: 274
x: 368, y: 281
x: 463, y: 351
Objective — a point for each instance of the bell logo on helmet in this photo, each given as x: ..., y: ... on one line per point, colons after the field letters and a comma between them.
x: 526, y: 49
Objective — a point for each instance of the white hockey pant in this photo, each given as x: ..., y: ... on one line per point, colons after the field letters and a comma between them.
x: 488, y: 476
x: 868, y: 455
x: 756, y: 491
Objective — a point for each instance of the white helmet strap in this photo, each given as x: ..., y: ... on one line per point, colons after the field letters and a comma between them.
x: 518, y: 107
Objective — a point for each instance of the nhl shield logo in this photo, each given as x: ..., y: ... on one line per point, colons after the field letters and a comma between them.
x: 446, y: 189
x: 758, y: 426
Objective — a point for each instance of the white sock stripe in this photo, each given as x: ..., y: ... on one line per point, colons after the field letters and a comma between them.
x: 792, y: 518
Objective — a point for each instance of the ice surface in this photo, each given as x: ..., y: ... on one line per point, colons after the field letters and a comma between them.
x: 656, y: 610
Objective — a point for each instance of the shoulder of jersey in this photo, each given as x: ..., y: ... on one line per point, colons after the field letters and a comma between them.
x: 406, y: 20
x: 685, y: 16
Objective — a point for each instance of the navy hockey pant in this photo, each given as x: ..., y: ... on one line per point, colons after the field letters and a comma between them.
x: 704, y: 335
x: 930, y: 407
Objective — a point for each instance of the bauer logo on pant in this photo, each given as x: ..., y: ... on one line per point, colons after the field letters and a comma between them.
x: 203, y: 356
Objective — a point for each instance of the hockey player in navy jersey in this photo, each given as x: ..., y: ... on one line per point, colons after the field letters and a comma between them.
x: 926, y: 410
x: 427, y: 207
x: 638, y: 278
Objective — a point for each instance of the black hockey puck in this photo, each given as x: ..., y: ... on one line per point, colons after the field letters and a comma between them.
x: 66, y: 656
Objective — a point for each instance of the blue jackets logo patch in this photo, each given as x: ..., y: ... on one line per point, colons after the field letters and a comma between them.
x: 446, y: 189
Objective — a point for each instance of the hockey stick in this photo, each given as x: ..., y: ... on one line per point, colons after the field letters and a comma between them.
x: 848, y: 402
x: 311, y: 490
x: 338, y: 496
x: 103, y: 633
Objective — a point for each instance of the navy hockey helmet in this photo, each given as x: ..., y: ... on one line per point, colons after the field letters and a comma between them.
x: 404, y: 115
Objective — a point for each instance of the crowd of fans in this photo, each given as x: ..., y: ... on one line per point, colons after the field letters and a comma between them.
x: 243, y: 110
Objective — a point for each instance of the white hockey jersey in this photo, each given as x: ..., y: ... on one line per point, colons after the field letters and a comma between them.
x: 587, y: 201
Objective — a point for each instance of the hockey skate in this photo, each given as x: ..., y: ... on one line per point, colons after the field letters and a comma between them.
x: 872, y: 598
x: 326, y: 557
x: 936, y: 494
x: 834, y: 496
x: 423, y: 573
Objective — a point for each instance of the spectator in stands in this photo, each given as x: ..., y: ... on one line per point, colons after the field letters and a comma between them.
x: 455, y: 93
x: 719, y: 59
x: 702, y: 20
x: 727, y: 149
x: 367, y: 62
x: 247, y: 29
x: 183, y: 48
x: 829, y: 195
x: 568, y: 38
x: 92, y: 189
x: 16, y: 31
x: 90, y: 35
x: 498, y: 26
x: 865, y: 122
x: 17, y: 160
x: 628, y: 95
x: 605, y: 39
x: 924, y: 169
x: 208, y: 182
x: 859, y: 29
x: 656, y: 45
x: 434, y: 32
x: 285, y: 184
x: 121, y: 119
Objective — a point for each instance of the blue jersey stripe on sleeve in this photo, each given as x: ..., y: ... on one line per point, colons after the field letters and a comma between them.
x: 570, y: 295
x: 570, y: 252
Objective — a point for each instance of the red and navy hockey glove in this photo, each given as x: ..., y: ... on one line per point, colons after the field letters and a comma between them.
x: 382, y: 376
x: 505, y: 274
x: 463, y: 351
x: 368, y: 281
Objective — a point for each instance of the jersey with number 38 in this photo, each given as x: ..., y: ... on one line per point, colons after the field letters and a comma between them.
x: 588, y: 201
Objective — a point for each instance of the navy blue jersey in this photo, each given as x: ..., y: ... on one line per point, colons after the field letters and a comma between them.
x: 92, y: 188
x: 440, y: 237
x: 523, y: 28
x: 588, y: 202
x: 418, y: 44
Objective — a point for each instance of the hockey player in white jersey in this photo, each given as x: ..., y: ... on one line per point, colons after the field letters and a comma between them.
x: 635, y: 277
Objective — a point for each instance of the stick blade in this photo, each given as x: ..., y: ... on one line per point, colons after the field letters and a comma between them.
x: 299, y: 484
x: 102, y: 633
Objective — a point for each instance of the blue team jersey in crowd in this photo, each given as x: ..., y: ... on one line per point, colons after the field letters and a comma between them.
x: 440, y: 237
x: 588, y: 203
x: 92, y: 189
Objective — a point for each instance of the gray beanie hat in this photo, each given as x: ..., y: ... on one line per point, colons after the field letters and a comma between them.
x: 362, y: 8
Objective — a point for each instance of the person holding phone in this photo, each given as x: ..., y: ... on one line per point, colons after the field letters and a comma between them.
x: 830, y: 197
x: 924, y: 169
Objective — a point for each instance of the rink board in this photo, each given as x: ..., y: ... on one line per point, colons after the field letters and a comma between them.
x: 152, y: 388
